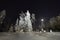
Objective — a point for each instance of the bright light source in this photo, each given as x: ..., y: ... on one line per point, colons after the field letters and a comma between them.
x: 42, y: 19
x: 50, y: 30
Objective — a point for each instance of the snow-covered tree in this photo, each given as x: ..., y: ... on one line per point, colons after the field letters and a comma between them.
x: 2, y: 15
x: 33, y: 20
x: 55, y: 23
x: 25, y: 21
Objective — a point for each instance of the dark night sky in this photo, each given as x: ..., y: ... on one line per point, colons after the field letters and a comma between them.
x: 42, y: 8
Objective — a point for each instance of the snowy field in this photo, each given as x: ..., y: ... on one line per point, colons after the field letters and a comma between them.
x: 30, y: 36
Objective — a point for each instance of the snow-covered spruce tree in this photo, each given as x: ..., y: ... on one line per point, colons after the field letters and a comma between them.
x: 33, y: 20
x: 25, y: 21
x: 2, y: 16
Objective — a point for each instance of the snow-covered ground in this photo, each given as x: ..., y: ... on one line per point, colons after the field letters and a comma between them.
x: 30, y: 36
